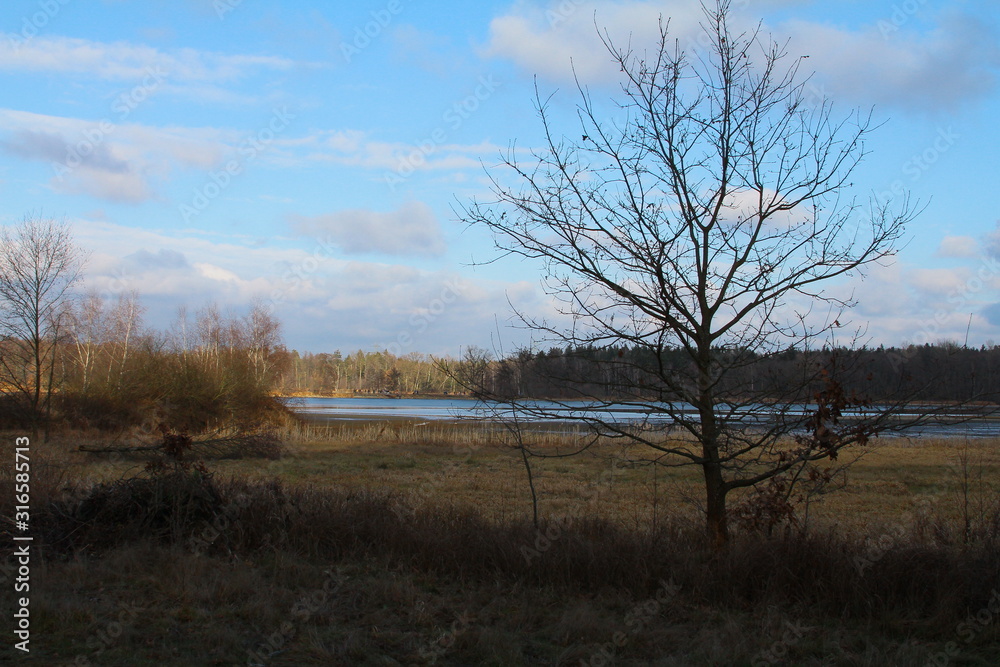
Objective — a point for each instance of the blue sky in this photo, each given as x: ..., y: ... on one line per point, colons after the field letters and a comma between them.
x: 313, y: 153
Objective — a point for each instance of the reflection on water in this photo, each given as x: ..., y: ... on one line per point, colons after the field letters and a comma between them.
x: 435, y: 409
x: 365, y: 409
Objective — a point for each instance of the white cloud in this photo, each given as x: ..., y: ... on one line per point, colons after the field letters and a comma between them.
x: 958, y: 246
x: 125, y: 162
x: 993, y: 242
x: 355, y: 149
x: 324, y: 302
x: 163, y: 258
x: 410, y: 230
x: 129, y: 187
x: 745, y: 204
x: 937, y: 282
x: 122, y: 61
x: 216, y: 273
x: 938, y: 70
x: 545, y: 39
x: 935, y: 70
x: 116, y: 162
x: 430, y: 51
x: 909, y: 304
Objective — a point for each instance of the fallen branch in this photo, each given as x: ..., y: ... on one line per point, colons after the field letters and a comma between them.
x: 109, y: 450
x: 254, y: 445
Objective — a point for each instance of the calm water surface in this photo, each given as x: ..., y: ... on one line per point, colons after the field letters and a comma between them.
x: 450, y: 409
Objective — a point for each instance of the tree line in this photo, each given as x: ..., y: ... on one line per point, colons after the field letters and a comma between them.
x: 942, y: 372
x: 361, y: 372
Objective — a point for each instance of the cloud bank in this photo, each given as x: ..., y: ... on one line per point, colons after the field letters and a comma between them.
x: 411, y: 230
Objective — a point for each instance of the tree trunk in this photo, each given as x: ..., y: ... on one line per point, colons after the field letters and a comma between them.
x: 715, y: 486
x: 36, y: 396
x: 717, y: 518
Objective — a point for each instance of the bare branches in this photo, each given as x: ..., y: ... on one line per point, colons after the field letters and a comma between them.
x: 708, y: 221
x: 38, y: 266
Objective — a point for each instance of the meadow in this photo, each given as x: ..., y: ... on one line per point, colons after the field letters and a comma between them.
x: 392, y: 543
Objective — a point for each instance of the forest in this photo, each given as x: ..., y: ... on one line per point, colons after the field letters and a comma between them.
x: 110, y: 370
x: 361, y: 372
x: 942, y: 372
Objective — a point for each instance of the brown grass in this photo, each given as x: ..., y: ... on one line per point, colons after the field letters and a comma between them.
x: 415, y: 544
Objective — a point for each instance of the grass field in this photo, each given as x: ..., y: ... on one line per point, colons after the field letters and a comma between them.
x: 385, y: 544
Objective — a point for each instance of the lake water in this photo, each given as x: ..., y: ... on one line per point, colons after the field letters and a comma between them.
x: 374, y: 409
x: 453, y: 409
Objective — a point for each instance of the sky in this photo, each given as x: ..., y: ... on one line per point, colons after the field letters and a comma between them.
x: 316, y: 155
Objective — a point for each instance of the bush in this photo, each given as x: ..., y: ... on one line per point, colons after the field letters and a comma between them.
x: 189, y: 392
x: 14, y: 414
x: 161, y: 507
x: 103, y: 409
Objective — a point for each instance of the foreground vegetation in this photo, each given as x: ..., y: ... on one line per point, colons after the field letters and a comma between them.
x: 398, y: 544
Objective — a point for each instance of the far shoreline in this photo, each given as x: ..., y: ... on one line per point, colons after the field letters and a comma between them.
x: 392, y: 395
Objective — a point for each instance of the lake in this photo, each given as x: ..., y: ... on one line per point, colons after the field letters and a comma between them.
x: 454, y: 409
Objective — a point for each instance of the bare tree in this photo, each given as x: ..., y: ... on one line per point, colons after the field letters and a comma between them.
x: 263, y: 338
x: 125, y: 325
x: 709, y: 222
x: 211, y: 335
x: 89, y: 332
x: 39, y: 263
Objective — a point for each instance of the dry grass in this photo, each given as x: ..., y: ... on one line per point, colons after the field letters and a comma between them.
x: 897, y: 481
x: 403, y: 544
